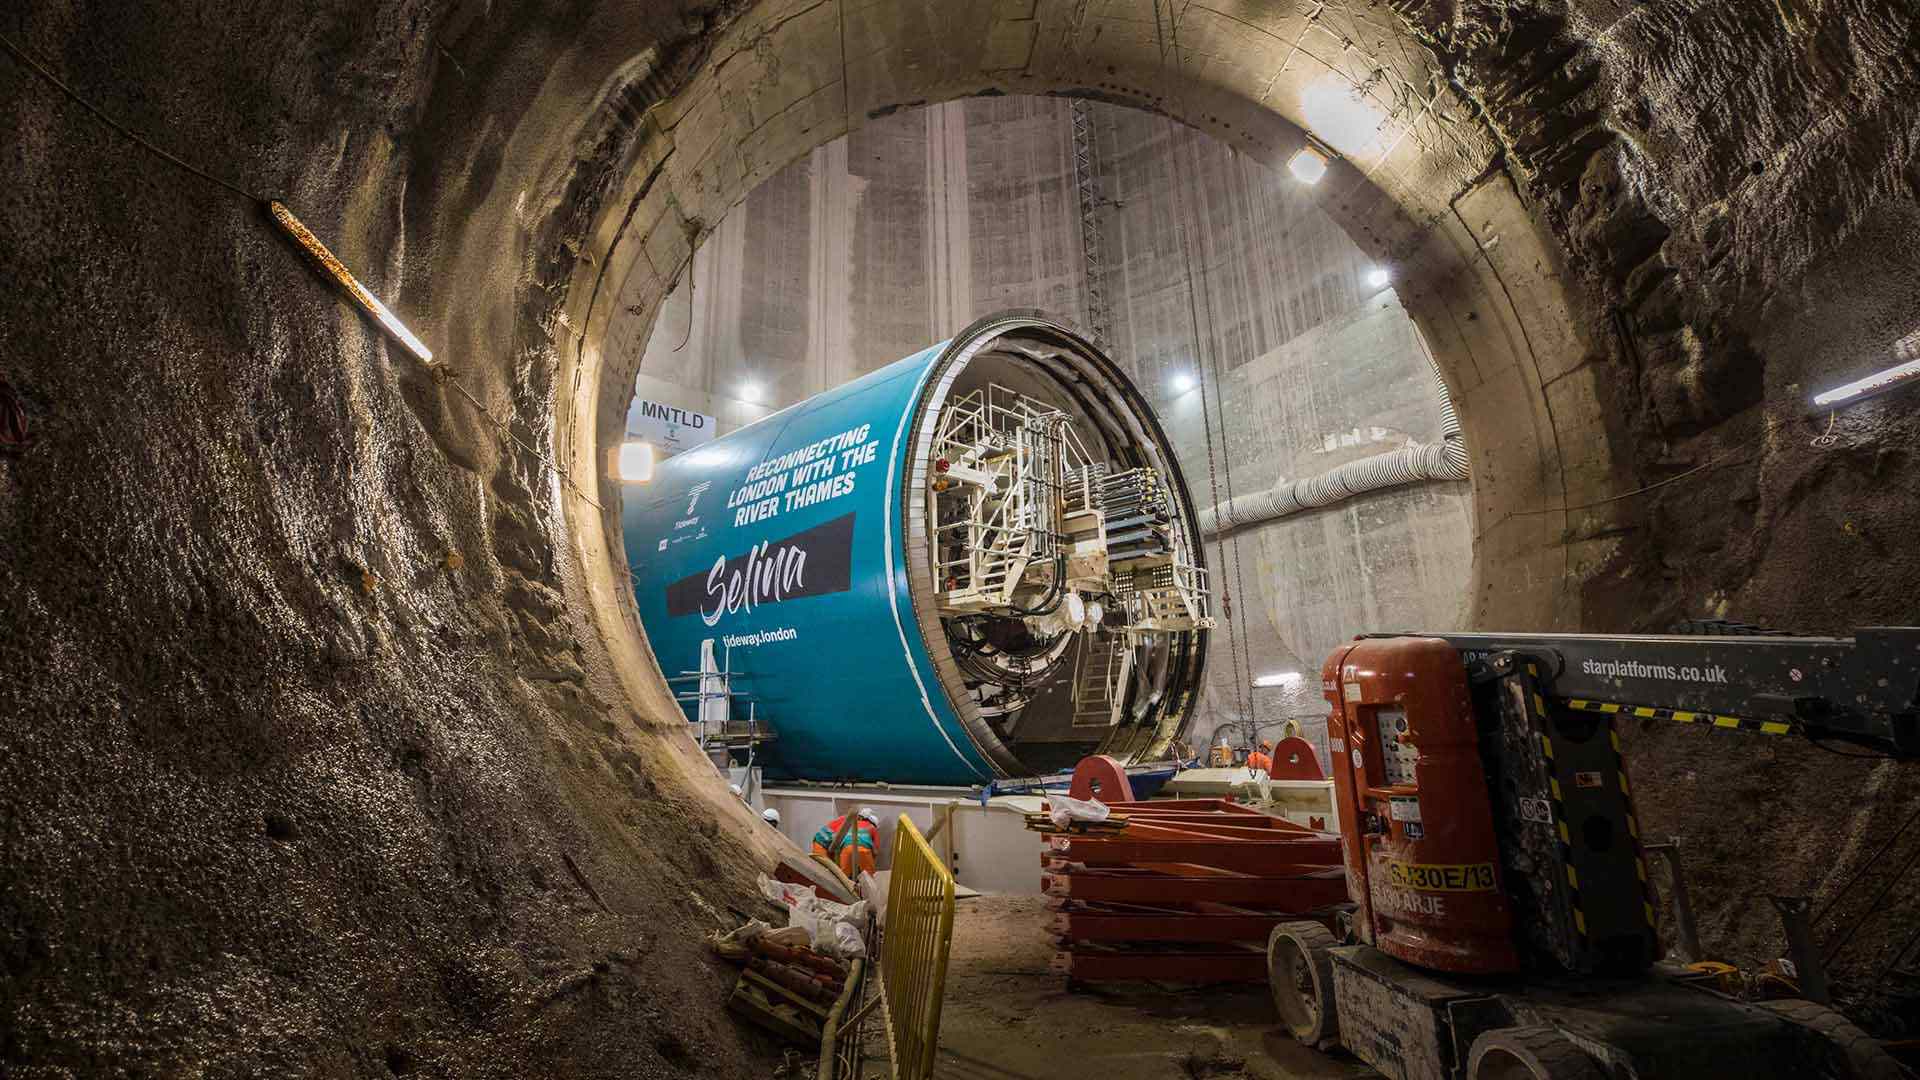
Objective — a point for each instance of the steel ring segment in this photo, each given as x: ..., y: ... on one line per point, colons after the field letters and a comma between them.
x: 1095, y: 389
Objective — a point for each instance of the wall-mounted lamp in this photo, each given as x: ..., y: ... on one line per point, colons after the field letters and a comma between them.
x: 331, y: 265
x: 1877, y: 383
x: 631, y: 462
x: 1378, y: 277
x: 750, y: 392
x: 1307, y: 165
x: 1182, y: 381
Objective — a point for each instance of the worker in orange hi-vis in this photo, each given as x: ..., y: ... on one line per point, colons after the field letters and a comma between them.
x: 1261, y: 759
x: 857, y: 850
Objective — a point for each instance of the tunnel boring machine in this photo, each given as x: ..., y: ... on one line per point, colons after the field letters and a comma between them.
x: 976, y: 562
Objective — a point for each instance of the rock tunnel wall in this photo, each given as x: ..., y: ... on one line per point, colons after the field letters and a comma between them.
x: 303, y: 769
x: 1737, y: 188
x: 284, y: 789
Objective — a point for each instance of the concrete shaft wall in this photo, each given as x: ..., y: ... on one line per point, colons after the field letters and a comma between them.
x: 1215, y: 266
x: 871, y: 247
x: 1224, y: 268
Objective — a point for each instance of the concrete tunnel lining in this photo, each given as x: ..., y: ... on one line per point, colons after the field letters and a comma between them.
x: 1478, y: 274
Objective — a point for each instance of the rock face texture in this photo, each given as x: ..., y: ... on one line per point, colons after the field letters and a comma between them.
x: 1738, y: 190
x: 302, y: 771
x: 319, y: 752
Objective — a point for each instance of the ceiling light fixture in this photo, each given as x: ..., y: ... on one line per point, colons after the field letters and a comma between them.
x: 750, y: 392
x: 1307, y: 165
x: 1378, y: 277
x: 1182, y: 382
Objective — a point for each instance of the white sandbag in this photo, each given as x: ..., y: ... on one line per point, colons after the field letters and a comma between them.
x: 785, y: 893
x: 821, y: 920
x: 1065, y: 809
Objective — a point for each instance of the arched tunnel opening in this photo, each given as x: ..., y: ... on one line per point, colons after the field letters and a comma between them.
x: 1280, y: 368
x: 333, y: 741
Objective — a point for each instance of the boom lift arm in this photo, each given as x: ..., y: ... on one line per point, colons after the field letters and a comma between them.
x: 1502, y: 920
x: 1863, y: 690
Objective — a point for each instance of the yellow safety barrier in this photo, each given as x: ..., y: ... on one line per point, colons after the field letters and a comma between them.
x: 913, y: 961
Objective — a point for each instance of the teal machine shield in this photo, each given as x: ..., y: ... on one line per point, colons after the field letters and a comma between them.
x: 976, y: 562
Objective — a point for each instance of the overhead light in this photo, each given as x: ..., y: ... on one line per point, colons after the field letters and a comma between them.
x: 1308, y: 165
x: 1872, y: 384
x: 750, y: 392
x: 1378, y: 277
x: 1278, y: 678
x: 1182, y: 382
x: 632, y: 462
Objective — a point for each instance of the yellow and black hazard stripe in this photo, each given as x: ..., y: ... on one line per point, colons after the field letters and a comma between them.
x: 1633, y: 826
x: 1566, y: 852
x: 1681, y: 716
x: 1564, y: 837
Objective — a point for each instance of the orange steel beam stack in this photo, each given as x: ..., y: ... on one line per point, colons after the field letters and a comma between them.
x: 1184, y: 889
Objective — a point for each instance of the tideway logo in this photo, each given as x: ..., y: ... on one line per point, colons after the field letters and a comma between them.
x: 815, y: 562
x: 762, y: 637
x: 693, y: 499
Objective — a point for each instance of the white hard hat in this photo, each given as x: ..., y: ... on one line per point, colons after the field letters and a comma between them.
x: 867, y: 814
x: 770, y: 816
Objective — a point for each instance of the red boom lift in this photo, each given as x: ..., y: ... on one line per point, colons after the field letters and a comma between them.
x: 1501, y: 923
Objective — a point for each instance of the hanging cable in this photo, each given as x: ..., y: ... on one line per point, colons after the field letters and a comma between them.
x: 135, y: 137
x: 1241, y: 684
x: 1212, y: 353
x: 1241, y: 667
x: 1835, y: 948
x: 688, y: 336
x: 14, y: 436
x: 1868, y: 864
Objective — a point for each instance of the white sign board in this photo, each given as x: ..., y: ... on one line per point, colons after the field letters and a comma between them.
x: 668, y: 427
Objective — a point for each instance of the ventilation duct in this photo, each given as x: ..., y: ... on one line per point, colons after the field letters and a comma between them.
x: 1446, y: 460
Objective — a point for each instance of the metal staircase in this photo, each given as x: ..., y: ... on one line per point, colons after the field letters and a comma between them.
x: 1099, y: 673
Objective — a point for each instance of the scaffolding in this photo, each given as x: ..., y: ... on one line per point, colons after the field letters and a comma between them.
x: 1086, y: 182
x: 1021, y: 508
x: 711, y: 717
x: 1003, y: 462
